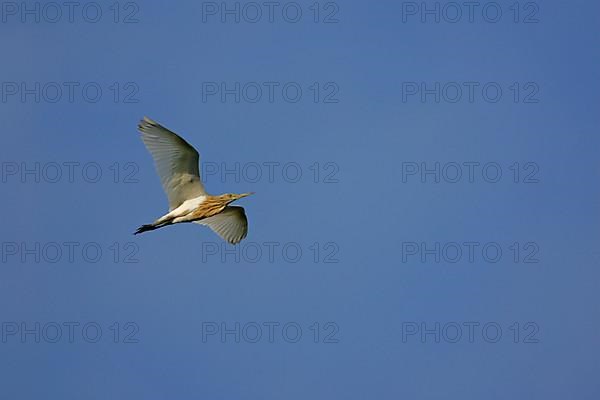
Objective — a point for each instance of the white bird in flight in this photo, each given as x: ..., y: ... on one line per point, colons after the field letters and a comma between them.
x: 177, y: 166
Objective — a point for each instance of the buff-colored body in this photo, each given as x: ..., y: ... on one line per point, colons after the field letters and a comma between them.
x: 199, y: 208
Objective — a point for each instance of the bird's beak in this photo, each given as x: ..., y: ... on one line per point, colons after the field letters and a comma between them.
x: 244, y: 195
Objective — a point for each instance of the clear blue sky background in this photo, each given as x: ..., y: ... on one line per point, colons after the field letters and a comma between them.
x: 371, y: 295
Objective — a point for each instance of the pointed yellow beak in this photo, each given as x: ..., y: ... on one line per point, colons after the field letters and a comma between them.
x: 244, y: 195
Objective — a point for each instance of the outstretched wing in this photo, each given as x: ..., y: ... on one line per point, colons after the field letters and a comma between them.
x: 176, y: 162
x: 231, y: 224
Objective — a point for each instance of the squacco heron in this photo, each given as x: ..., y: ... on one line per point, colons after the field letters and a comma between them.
x: 176, y: 162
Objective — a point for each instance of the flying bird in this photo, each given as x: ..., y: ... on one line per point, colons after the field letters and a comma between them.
x: 176, y: 162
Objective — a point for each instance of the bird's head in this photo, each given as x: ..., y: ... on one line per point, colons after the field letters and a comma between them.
x: 231, y: 197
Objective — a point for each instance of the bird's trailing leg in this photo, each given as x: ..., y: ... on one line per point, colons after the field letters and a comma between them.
x: 145, y: 228
x: 150, y: 227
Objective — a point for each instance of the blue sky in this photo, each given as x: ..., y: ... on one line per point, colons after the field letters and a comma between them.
x: 404, y: 241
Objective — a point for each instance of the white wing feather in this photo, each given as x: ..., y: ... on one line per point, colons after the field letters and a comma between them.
x: 231, y: 224
x: 176, y: 162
